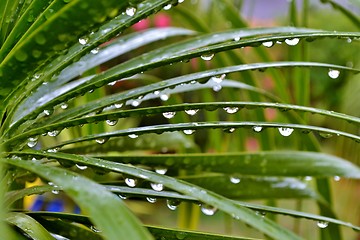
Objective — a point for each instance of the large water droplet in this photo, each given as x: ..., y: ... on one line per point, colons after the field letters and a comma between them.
x: 157, y: 186
x: 191, y: 112
x: 130, y: 182
x: 83, y: 41
x: 167, y: 7
x: 164, y: 97
x: 161, y: 170
x: 268, y: 44
x: 118, y: 105
x: 111, y: 122
x: 189, y: 131
x: 234, y: 180
x: 172, y: 204
x: 333, y: 73
x: 292, y: 42
x: 53, y: 133
x: 130, y: 11
x: 217, y: 87
x: 135, y: 103
x: 231, y: 110
x: 257, y: 128
x: 218, y: 79
x: 207, y: 57
x: 322, y: 224
x: 236, y: 39
x: 133, y: 135
x: 285, y: 131
x: 208, y: 210
x: 95, y: 50
x: 169, y: 114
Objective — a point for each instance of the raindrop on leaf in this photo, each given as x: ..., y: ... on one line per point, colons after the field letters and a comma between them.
x: 53, y: 133
x: 64, y: 106
x: 322, y: 224
x: 333, y: 73
x: 231, y: 110
x: 337, y: 178
x: 81, y: 167
x: 130, y: 182
x: 161, y: 170
x: 167, y: 7
x: 157, y: 186
x: 169, y: 115
x: 208, y: 210
x: 292, y: 42
x: 101, y: 140
x: 268, y: 44
x: 285, y: 131
x: 83, y: 41
x: 191, y: 112
x: 257, y: 128
x: 111, y: 122
x: 130, y: 11
x: 172, y: 204
x: 325, y: 134
x: 151, y: 200
x: 207, y: 57
x: 95, y: 50
x: 189, y: 131
x: 133, y: 136
x: 164, y: 97
x: 118, y: 105
x: 234, y: 180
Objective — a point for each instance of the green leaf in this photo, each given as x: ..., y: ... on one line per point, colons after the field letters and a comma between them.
x: 107, y: 211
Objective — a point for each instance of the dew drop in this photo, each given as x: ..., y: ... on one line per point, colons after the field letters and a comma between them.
x: 333, y: 73
x: 55, y: 191
x: 208, y: 210
x: 112, y: 83
x: 308, y: 178
x: 167, y: 7
x: 257, y: 128
x: 81, y: 167
x: 157, y: 186
x: 325, y: 134
x: 268, y: 44
x: 172, y: 204
x: 234, y: 180
x: 48, y: 112
x: 217, y: 88
x: 191, y: 112
x: 94, y: 229
x: 164, y: 97
x: 231, y: 110
x: 64, y: 106
x: 236, y: 39
x: 101, y: 140
x: 322, y: 224
x: 135, y: 103
x: 168, y: 115
x: 111, y: 122
x: 285, y: 131
x: 83, y: 41
x: 118, y: 105
x: 207, y: 57
x: 133, y: 136
x: 53, y: 133
x: 151, y: 200
x: 218, y: 79
x: 52, y: 150
x: 189, y: 131
x: 130, y: 11
x: 122, y: 196
x: 130, y: 182
x: 95, y: 50
x: 161, y: 170
x: 181, y: 1
x: 292, y: 42
x: 337, y: 178
x: 31, y: 144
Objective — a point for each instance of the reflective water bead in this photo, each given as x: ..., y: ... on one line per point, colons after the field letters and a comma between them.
x: 164, y: 97
x: 64, y: 106
x: 135, y: 103
x: 151, y: 200
x: 130, y: 11
x: 337, y: 178
x: 208, y: 210
x: 325, y: 134
x: 130, y: 182
x: 172, y: 204
x: 118, y: 105
x: 285, y: 131
x: 189, y: 131
x: 48, y: 112
x: 161, y: 170
x: 157, y: 186
x: 257, y: 128
x: 111, y: 122
x: 168, y: 114
x: 53, y: 133
x: 218, y: 79
x: 133, y: 136
x: 268, y: 44
x: 322, y: 224
x: 83, y: 41
x: 217, y: 87
x: 31, y: 144
x: 95, y: 50
x: 207, y: 57
x: 234, y: 180
x: 81, y: 167
x: 191, y: 112
x: 236, y: 39
x: 231, y: 110
x: 101, y: 140
x: 94, y: 229
x: 112, y: 83
x: 334, y: 73
x: 167, y: 7
x: 181, y: 1
x: 292, y: 42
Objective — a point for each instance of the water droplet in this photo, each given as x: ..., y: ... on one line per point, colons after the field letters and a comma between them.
x: 268, y: 44
x: 81, y: 167
x: 172, y: 204
x: 130, y: 182
x: 217, y: 88
x: 348, y: 40
x: 133, y: 136
x: 167, y: 7
x: 130, y: 11
x: 135, y: 103
x: 118, y: 105
x: 161, y: 170
x: 231, y: 110
x: 257, y: 128
x: 207, y: 57
x: 122, y: 196
x: 285, y: 131
x: 208, y: 210
x: 151, y: 200
x: 189, y: 131
x: 54, y: 191
x: 325, y: 134
x: 94, y: 229
x: 101, y: 140
x: 262, y: 214
x: 83, y: 41
x: 48, y: 112
x: 157, y: 186
x: 111, y: 122
x: 31, y: 144
x: 191, y: 112
x: 95, y: 50
x: 112, y: 83
x: 308, y: 178
x: 52, y: 150
x: 236, y: 39
x: 169, y: 114
x: 235, y: 180
x: 218, y: 79
x: 164, y: 97
x: 333, y: 73
x: 322, y: 224
x: 337, y: 178
x: 53, y: 133
x: 292, y: 42
x: 64, y: 106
